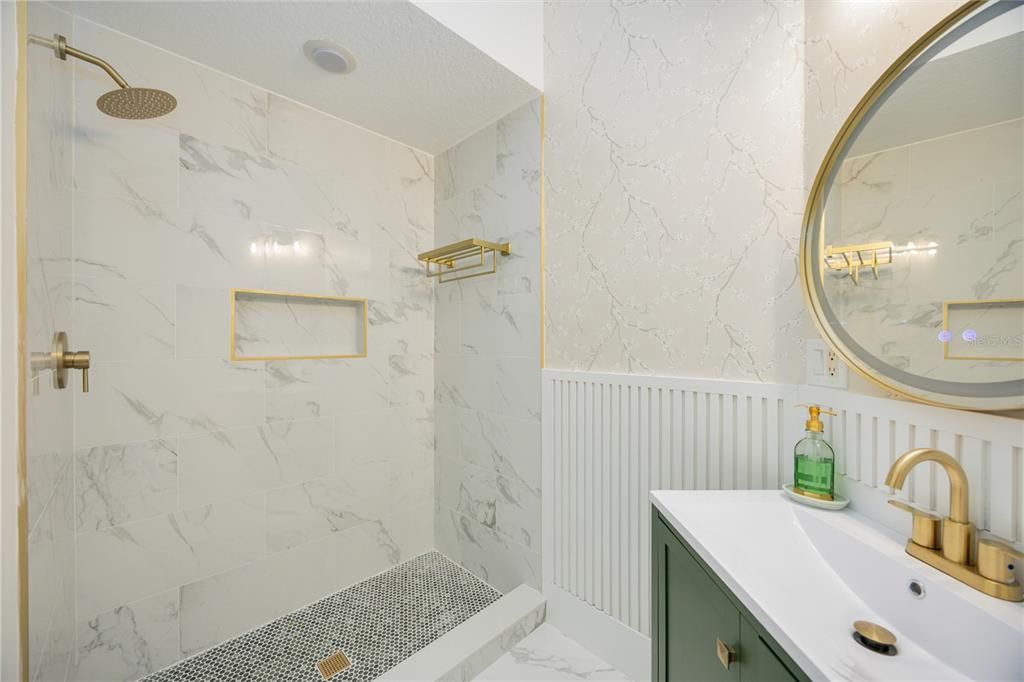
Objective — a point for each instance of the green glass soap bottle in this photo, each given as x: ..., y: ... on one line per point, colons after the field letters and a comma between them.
x: 814, y: 465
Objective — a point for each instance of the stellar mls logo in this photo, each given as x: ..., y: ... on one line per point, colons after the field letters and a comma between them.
x: 996, y: 340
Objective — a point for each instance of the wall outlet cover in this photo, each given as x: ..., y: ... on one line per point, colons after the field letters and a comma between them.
x: 824, y: 367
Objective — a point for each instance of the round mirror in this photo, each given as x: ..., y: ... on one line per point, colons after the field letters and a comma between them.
x: 912, y: 253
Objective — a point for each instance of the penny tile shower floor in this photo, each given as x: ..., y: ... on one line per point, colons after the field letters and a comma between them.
x: 377, y: 623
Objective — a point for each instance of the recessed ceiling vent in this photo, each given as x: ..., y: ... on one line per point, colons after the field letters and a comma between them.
x: 329, y: 57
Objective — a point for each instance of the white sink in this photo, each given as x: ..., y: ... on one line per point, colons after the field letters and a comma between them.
x: 807, y: 574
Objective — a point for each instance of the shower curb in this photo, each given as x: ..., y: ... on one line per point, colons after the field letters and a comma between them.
x: 471, y: 647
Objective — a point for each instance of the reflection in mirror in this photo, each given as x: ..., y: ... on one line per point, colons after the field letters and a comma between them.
x: 920, y: 248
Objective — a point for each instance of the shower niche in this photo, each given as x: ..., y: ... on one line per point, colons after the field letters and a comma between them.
x: 270, y: 325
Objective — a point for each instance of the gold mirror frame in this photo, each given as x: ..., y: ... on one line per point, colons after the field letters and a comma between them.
x: 814, y: 218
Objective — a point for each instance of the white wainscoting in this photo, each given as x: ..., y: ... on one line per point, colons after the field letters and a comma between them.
x: 610, y: 438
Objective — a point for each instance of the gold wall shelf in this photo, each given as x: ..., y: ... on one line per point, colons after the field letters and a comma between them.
x: 443, y: 262
x: 856, y: 256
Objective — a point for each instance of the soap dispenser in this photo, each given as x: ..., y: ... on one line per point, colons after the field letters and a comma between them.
x: 814, y: 460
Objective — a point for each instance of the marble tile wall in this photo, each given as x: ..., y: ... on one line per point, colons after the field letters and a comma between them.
x: 487, y: 356
x: 210, y: 496
x: 49, y: 432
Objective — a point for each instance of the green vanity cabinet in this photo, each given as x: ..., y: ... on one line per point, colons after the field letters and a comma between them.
x: 700, y: 631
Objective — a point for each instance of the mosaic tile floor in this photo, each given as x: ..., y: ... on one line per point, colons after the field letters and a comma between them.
x: 377, y: 623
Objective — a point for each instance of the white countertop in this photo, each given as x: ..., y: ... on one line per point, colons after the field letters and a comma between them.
x: 756, y: 544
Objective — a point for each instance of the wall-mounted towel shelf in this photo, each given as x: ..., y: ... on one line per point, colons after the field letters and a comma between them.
x: 443, y: 262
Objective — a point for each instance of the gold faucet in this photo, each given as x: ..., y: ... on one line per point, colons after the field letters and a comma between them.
x: 946, y: 544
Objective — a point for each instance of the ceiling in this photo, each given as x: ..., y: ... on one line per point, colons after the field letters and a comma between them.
x: 416, y: 81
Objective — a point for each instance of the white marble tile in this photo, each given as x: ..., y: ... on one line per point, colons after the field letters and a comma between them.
x: 131, y: 401
x: 499, y: 501
x: 502, y: 562
x: 130, y: 641
x: 217, y: 250
x: 202, y: 323
x: 403, y: 433
x: 326, y: 144
x: 468, y: 165
x: 410, y: 379
x: 501, y: 325
x: 124, y: 321
x: 129, y: 562
x: 547, y: 654
x: 300, y: 513
x: 297, y: 326
x: 374, y: 546
x: 126, y: 238
x: 51, y: 597
x: 228, y: 604
x: 116, y: 484
x: 402, y: 325
x: 320, y: 388
x: 225, y: 464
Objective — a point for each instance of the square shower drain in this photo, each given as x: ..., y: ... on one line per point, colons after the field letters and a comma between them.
x: 332, y: 665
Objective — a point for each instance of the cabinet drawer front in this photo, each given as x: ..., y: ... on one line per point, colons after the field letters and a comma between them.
x: 696, y: 624
x: 757, y: 660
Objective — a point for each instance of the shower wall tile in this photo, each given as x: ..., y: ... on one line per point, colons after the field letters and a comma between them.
x: 228, y: 604
x: 219, y: 250
x: 371, y: 436
x: 126, y: 238
x: 191, y: 468
x: 498, y: 501
x: 327, y: 145
x: 299, y: 389
x: 487, y: 356
x: 124, y: 321
x: 130, y: 641
x: 202, y: 323
x: 126, y: 162
x: 496, y: 559
x: 225, y: 464
x: 410, y: 379
x: 116, y: 484
x: 135, y: 560
x: 374, y: 546
x: 131, y: 401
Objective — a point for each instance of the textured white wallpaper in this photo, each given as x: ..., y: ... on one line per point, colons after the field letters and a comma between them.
x: 681, y: 139
x: 675, y: 188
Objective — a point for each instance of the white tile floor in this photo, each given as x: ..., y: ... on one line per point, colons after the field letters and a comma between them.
x: 547, y: 654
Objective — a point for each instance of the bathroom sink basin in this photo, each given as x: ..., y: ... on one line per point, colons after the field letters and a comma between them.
x: 808, y: 574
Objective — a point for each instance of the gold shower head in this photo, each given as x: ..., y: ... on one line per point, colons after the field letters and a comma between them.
x: 136, y: 103
x: 126, y: 101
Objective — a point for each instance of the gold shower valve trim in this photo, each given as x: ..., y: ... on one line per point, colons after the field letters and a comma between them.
x: 443, y: 261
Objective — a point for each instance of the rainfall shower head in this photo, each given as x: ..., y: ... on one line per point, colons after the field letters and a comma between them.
x: 126, y: 101
x: 136, y: 103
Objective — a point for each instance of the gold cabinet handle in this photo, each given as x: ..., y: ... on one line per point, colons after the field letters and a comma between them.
x: 927, y: 529
x: 726, y: 654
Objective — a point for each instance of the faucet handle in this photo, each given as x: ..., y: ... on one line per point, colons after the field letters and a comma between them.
x: 995, y: 560
x: 927, y: 529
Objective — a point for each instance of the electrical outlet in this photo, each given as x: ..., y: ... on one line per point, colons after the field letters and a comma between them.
x: 824, y: 368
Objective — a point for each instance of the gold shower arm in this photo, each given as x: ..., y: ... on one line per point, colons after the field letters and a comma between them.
x: 60, y: 47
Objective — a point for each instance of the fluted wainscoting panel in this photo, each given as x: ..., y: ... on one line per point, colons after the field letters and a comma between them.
x: 611, y: 438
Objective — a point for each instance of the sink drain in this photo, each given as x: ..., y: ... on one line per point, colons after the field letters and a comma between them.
x: 874, y: 638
